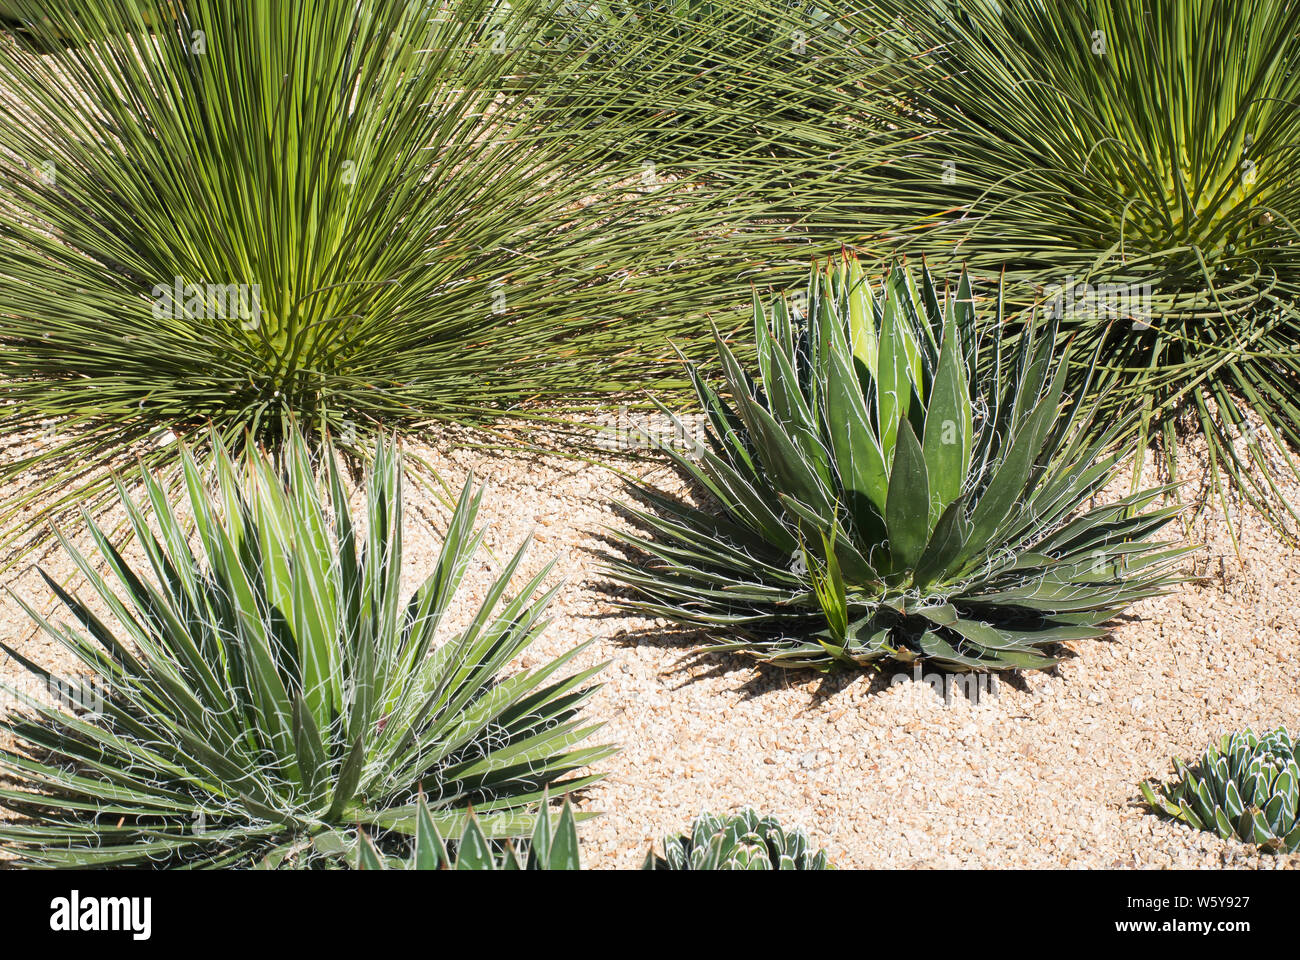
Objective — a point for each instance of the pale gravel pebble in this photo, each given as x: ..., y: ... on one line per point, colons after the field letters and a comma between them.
x: 1044, y: 775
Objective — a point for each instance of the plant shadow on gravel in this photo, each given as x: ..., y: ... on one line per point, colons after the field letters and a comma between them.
x: 764, y: 677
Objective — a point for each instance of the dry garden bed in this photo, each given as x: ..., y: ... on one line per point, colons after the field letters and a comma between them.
x: 1043, y: 774
x: 306, y: 320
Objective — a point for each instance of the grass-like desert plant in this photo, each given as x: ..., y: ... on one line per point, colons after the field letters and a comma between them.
x: 885, y: 490
x: 1246, y: 786
x: 746, y: 80
x: 787, y: 100
x: 1135, y: 160
x: 263, y: 688
x: 350, y: 215
x: 739, y: 841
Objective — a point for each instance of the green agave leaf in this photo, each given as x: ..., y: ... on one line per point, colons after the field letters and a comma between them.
x: 1291, y: 842
x: 946, y: 544
x: 858, y: 455
x: 1273, y: 815
x: 1154, y: 801
x: 933, y: 645
x: 369, y: 858
x: 948, y: 426
x: 564, y: 853
x: 1223, y: 824
x: 862, y: 318
x: 907, y: 511
x: 1233, y: 806
x: 430, y: 853
x: 474, y: 852
x: 1008, y: 483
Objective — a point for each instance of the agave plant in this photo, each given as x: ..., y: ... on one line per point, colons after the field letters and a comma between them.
x: 1246, y: 787
x: 262, y: 684
x: 886, y: 491
x: 349, y: 215
x: 1133, y: 160
x: 552, y: 846
x: 741, y: 841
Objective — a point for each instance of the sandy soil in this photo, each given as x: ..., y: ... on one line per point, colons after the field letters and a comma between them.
x: 1043, y: 773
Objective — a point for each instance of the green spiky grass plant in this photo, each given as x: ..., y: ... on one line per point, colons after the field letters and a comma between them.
x: 352, y: 215
x: 751, y: 79
x: 766, y: 93
x: 1100, y: 146
x: 886, y: 491
x: 262, y: 689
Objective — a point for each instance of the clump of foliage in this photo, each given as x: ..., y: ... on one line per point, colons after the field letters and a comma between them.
x: 1246, y: 786
x: 262, y: 684
x: 888, y: 489
x: 356, y: 216
x: 1133, y: 161
x: 767, y: 96
x: 740, y: 841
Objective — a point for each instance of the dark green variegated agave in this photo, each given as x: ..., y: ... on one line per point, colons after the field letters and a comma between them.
x: 884, y: 494
x: 267, y: 690
x: 741, y: 841
x: 1246, y: 786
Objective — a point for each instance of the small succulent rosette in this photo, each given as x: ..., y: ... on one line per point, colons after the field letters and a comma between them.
x: 1247, y: 786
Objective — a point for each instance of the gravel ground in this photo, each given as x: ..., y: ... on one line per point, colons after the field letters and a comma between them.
x: 1043, y: 773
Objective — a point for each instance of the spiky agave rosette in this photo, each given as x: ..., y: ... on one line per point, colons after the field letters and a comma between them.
x: 740, y: 841
x: 887, y: 491
x: 1247, y: 786
x: 264, y: 691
